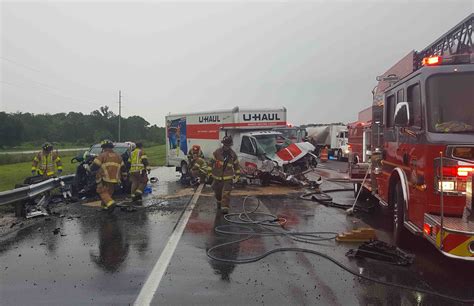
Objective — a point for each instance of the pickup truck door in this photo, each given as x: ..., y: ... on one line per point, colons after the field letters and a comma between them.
x: 249, y: 162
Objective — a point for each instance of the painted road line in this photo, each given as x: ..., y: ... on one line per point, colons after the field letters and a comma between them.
x: 153, y: 281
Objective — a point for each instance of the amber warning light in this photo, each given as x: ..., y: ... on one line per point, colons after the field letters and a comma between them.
x: 432, y: 61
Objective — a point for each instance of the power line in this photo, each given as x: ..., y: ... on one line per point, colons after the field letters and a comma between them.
x: 19, y: 64
x: 53, y: 93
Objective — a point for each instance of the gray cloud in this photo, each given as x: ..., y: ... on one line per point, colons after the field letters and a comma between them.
x: 319, y: 59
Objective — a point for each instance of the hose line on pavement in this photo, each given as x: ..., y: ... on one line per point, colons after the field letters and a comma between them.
x: 271, y: 227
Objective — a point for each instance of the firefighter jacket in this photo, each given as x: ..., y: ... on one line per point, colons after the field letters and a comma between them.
x: 200, y: 166
x: 110, y: 165
x: 45, y: 163
x: 225, y: 164
x: 138, y: 160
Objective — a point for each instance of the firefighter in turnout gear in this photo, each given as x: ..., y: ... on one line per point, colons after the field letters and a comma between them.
x: 108, y: 165
x: 138, y: 171
x: 198, y: 165
x: 225, y: 169
x: 46, y: 162
x: 195, y: 150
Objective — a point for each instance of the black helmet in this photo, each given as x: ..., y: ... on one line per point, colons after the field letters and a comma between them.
x: 227, y: 141
x: 47, y: 146
x: 106, y: 143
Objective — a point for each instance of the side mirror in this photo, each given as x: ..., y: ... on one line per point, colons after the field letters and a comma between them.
x: 402, y: 114
x: 78, y: 158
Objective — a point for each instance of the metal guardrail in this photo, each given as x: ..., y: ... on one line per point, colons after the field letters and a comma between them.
x: 28, y: 192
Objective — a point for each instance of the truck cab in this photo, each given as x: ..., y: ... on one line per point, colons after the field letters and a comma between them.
x: 253, y: 148
x: 421, y: 138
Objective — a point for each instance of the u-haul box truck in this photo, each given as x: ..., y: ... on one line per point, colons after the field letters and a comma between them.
x: 251, y: 130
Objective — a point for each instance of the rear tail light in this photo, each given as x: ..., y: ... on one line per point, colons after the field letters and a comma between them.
x: 427, y: 229
x: 464, y: 171
x: 453, y: 177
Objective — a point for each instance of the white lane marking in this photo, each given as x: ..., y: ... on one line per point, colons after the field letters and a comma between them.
x: 153, y: 281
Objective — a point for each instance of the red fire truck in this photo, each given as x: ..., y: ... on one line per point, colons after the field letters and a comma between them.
x: 416, y: 150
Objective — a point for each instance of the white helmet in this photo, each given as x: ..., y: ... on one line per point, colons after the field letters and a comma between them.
x: 131, y: 145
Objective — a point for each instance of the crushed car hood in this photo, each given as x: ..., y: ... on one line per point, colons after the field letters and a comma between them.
x: 293, y: 152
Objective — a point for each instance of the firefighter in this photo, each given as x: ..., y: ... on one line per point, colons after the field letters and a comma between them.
x: 195, y: 150
x: 225, y: 170
x: 108, y: 166
x: 199, y: 169
x: 138, y: 171
x: 45, y: 162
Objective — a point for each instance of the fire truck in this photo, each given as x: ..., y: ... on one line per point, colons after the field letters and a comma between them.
x: 413, y: 149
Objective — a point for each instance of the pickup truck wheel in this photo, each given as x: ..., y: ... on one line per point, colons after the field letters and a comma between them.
x: 398, y: 213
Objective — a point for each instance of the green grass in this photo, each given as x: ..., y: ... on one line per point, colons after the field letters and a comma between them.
x: 15, y: 173
x: 6, y: 159
x: 156, y: 155
x: 37, y: 147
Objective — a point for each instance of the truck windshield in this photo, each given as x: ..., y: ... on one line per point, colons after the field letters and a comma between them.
x: 449, y: 99
x: 267, y: 143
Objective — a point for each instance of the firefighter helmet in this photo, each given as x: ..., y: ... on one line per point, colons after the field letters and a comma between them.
x: 48, y: 147
x: 131, y: 145
x: 196, y: 148
x: 106, y: 143
x: 227, y: 141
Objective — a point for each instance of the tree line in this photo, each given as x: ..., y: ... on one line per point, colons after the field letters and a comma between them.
x: 75, y: 128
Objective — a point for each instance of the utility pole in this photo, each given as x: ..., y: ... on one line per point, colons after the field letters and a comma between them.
x: 120, y: 113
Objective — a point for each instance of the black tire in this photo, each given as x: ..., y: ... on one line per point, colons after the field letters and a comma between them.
x: 398, y: 205
x: 184, y: 168
x: 364, y: 194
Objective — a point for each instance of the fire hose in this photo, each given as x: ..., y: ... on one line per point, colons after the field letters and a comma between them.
x: 273, y: 226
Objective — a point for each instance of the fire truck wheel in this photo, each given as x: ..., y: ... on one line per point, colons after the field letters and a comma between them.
x: 184, y: 168
x: 398, y: 213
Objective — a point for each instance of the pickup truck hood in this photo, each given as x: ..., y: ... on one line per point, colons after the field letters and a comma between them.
x: 293, y: 152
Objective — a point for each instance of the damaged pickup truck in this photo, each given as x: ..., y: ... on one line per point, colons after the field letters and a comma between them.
x: 261, y: 149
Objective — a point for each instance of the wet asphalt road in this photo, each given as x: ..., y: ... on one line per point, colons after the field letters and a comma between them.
x: 99, y: 259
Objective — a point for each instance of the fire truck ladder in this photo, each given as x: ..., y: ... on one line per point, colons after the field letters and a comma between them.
x: 456, y: 41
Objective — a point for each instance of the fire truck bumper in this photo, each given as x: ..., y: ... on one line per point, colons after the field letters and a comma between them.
x: 456, y: 240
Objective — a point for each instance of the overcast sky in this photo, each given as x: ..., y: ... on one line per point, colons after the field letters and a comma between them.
x: 318, y: 59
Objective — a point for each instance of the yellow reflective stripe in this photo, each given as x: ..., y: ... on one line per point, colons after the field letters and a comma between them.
x: 33, y: 168
x: 144, y: 156
x: 109, y: 180
x: 60, y: 167
x: 225, y: 178
x: 36, y: 159
x: 106, y: 173
x: 57, y: 159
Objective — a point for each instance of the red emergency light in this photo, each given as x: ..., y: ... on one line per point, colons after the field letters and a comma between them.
x: 432, y: 60
x: 427, y: 229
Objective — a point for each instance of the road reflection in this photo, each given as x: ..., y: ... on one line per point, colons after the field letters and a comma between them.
x: 229, y: 252
x: 113, y: 245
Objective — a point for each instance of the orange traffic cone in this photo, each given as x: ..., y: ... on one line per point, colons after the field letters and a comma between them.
x: 324, y: 155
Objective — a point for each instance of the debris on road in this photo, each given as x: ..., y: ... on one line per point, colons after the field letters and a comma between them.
x: 382, y: 251
x: 357, y: 235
